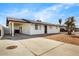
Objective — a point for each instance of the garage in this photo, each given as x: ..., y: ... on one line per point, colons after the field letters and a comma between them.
x: 17, y: 31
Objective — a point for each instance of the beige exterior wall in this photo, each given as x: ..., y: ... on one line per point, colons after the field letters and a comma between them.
x: 10, y: 27
x: 40, y: 30
x: 29, y: 28
x: 26, y: 28
x: 17, y: 27
x: 53, y: 29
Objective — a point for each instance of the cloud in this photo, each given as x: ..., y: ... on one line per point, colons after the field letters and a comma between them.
x: 17, y: 13
x: 56, y: 7
x: 54, y: 12
x: 49, y: 12
x: 69, y: 5
x: 25, y: 13
x: 44, y: 14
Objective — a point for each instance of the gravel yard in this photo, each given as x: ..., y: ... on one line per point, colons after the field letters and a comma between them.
x: 73, y: 39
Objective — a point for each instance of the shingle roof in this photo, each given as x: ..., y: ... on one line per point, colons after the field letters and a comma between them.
x: 29, y: 21
x: 15, y: 19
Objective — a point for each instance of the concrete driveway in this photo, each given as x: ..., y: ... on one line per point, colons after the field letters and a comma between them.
x: 37, y: 47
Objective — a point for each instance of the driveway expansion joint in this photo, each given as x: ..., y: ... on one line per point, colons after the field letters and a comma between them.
x: 51, y: 49
x: 29, y: 49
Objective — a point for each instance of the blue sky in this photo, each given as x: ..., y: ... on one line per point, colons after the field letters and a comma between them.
x: 47, y: 12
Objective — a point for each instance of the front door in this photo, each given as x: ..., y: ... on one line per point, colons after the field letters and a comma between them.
x: 20, y: 28
x: 45, y: 30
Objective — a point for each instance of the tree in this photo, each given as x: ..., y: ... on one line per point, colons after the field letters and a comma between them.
x: 70, y: 25
x: 60, y: 21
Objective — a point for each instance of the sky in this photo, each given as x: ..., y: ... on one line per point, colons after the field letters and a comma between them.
x: 47, y: 12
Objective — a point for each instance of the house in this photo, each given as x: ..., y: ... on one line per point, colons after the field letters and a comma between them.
x: 30, y: 27
x: 63, y: 28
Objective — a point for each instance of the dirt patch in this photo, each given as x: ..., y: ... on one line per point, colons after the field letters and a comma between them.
x: 75, y: 36
x: 11, y: 47
x: 73, y: 39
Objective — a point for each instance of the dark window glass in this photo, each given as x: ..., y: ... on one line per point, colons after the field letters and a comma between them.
x: 36, y: 26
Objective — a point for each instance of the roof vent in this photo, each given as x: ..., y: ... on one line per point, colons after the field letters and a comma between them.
x: 39, y: 20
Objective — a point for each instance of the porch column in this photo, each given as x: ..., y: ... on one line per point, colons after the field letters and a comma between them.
x: 12, y: 29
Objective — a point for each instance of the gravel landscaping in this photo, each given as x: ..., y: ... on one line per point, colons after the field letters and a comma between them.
x: 73, y: 39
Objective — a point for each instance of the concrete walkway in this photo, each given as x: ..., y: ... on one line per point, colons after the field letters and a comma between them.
x: 37, y: 47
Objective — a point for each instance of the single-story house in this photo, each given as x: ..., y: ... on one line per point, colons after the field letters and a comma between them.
x: 30, y: 27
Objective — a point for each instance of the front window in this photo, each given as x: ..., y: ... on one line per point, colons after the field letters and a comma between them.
x: 36, y: 26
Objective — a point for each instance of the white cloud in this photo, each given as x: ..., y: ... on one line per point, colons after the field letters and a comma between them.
x: 21, y: 13
x: 53, y: 11
x: 42, y: 15
x: 17, y: 13
x: 49, y: 12
x: 45, y: 14
x: 69, y: 5
x: 56, y: 7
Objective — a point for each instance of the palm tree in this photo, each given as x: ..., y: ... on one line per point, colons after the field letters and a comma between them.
x: 70, y: 23
x: 60, y: 21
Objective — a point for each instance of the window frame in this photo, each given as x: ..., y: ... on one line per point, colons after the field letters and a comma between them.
x: 36, y: 26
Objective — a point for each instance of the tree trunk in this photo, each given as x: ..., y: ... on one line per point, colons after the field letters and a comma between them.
x: 69, y: 32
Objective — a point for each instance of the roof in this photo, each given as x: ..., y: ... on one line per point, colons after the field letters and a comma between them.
x: 28, y: 21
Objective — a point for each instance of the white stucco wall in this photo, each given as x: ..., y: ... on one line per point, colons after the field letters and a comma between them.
x: 16, y: 27
x: 33, y: 31
x: 30, y: 29
x: 26, y: 28
x: 54, y: 29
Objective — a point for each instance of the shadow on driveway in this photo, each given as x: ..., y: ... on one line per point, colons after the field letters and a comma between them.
x: 24, y: 36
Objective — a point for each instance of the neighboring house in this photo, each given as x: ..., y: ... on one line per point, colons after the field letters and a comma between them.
x: 77, y: 29
x: 31, y: 27
x: 63, y: 28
